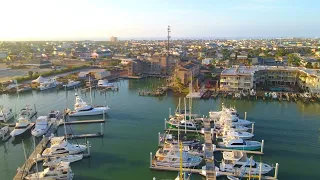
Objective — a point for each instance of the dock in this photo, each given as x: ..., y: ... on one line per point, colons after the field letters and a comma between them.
x: 25, y: 168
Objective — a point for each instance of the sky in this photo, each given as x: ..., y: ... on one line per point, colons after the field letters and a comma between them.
x: 144, y: 19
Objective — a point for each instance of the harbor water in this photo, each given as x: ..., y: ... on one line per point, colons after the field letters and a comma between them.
x: 290, y: 130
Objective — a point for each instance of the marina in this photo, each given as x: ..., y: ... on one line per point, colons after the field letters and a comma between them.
x: 143, y: 125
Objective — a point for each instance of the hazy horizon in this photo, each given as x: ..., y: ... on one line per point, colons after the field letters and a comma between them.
x: 73, y: 20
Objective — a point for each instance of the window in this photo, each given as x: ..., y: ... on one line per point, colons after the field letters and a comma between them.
x: 237, y: 144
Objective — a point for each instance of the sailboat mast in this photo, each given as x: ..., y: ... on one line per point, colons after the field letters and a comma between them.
x: 34, y: 147
x: 24, y: 152
x: 179, y: 109
x: 64, y: 122
x: 181, y: 158
x: 90, y: 88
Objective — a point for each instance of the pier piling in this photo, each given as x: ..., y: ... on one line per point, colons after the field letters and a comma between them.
x: 276, y: 171
x: 260, y: 170
x: 165, y: 123
x: 262, y: 145
x: 252, y: 128
x: 150, y: 159
x: 101, y: 128
x: 245, y: 115
x: 158, y: 138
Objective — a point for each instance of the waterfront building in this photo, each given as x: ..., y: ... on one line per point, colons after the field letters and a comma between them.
x: 239, y: 78
x: 184, y: 71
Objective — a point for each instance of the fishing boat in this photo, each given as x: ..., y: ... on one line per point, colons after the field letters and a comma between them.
x: 239, y: 144
x: 169, y: 139
x: 105, y: 84
x: 171, y: 159
x: 56, y: 160
x: 194, y: 150
x: 244, y: 165
x: 72, y: 84
x: 6, y: 114
x: 232, y: 133
x: 23, y: 124
x: 81, y: 108
x: 43, y: 124
x: 59, y: 145
x: 236, y: 128
x: 233, y: 120
x: 49, y: 84
x: 225, y: 110
x: 4, y: 131
x: 62, y: 172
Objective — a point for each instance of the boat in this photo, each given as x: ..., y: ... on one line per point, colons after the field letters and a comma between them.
x: 234, y: 120
x: 232, y: 133
x: 71, y: 84
x: 6, y: 115
x: 239, y: 144
x: 105, y: 84
x: 23, y: 124
x: 237, y: 95
x: 232, y: 155
x: 49, y: 84
x: 42, y: 126
x: 189, y: 124
x: 61, y: 172
x: 225, y: 110
x: 232, y: 178
x: 194, y: 150
x: 253, y: 92
x: 4, y: 131
x: 274, y: 95
x: 171, y: 159
x: 203, y: 171
x: 236, y: 128
x: 169, y: 139
x: 81, y: 108
x: 56, y: 160
x: 244, y: 165
x: 59, y: 145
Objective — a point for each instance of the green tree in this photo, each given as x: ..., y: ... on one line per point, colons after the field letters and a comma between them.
x: 293, y: 60
x: 309, y: 65
x: 30, y: 73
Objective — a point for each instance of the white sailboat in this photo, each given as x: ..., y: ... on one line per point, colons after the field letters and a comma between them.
x: 61, y: 172
x: 61, y: 146
x: 56, y: 160
x: 6, y: 114
x: 81, y: 108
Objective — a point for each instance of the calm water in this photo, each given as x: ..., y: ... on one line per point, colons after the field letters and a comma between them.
x: 290, y: 130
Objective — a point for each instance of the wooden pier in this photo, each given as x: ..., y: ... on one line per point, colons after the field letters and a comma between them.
x: 208, y: 151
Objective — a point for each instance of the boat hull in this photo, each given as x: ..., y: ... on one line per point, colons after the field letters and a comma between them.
x: 18, y: 132
x: 93, y: 112
x: 40, y: 132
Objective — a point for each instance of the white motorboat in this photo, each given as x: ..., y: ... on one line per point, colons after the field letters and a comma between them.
x: 240, y: 144
x: 172, y: 159
x: 6, y: 115
x: 105, y: 84
x: 189, y: 124
x: 194, y: 150
x: 233, y: 120
x: 253, y: 92
x: 274, y: 95
x: 42, y: 126
x: 236, y: 128
x: 4, y: 131
x: 23, y: 124
x: 81, y: 108
x: 169, y: 139
x: 60, y: 146
x: 72, y: 84
x: 51, y: 83
x: 62, y: 172
x: 56, y: 160
x: 217, y: 114
x: 244, y: 165
x: 235, y: 134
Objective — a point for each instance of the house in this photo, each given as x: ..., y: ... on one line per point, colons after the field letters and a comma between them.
x: 207, y: 61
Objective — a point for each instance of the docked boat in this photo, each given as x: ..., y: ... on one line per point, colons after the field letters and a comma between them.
x: 23, y: 124
x: 236, y: 128
x: 4, y: 131
x: 189, y: 124
x: 234, y: 134
x: 240, y: 144
x: 81, y: 108
x: 43, y: 124
x: 51, y: 83
x: 172, y: 159
x: 6, y: 115
x: 105, y: 84
x: 60, y: 146
x: 56, y: 160
x: 72, y: 84
x: 244, y: 165
x: 274, y: 95
x: 194, y: 150
x: 169, y: 139
x: 61, y: 172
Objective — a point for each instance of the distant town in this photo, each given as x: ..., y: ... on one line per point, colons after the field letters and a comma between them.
x: 222, y: 65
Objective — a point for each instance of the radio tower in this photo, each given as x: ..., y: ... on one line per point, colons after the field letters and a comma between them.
x: 169, y: 31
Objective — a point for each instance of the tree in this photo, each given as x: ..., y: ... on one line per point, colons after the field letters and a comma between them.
x: 30, y: 73
x: 309, y: 65
x: 226, y: 54
x: 316, y: 66
x: 293, y: 60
